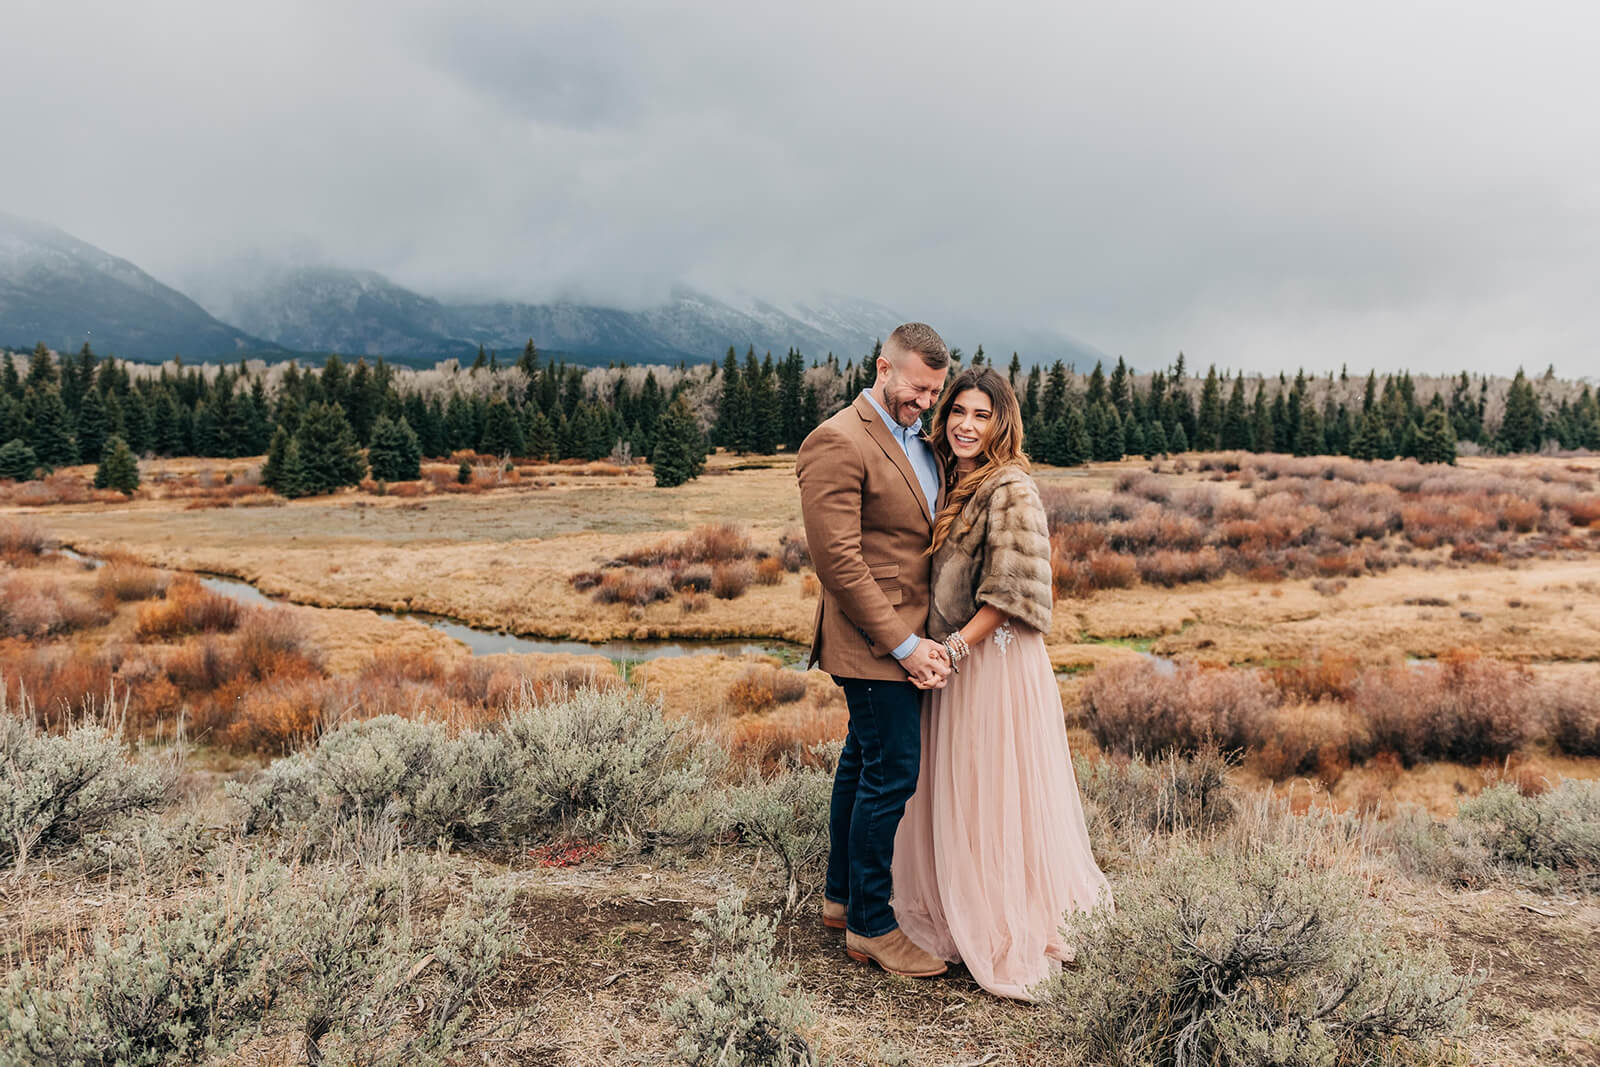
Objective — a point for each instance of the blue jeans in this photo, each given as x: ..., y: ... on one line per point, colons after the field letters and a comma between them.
x: 877, y: 775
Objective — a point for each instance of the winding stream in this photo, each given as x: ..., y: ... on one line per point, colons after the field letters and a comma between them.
x: 484, y: 642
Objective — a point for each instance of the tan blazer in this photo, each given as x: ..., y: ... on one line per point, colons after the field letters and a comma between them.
x: 868, y: 527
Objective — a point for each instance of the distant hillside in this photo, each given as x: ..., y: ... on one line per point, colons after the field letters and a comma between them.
x: 62, y: 291
x: 362, y: 312
x: 57, y: 289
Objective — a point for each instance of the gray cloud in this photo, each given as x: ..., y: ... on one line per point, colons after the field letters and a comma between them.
x: 1259, y: 184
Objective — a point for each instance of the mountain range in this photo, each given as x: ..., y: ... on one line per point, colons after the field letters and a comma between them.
x: 62, y: 291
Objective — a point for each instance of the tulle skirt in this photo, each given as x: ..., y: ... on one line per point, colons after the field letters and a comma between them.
x: 993, y: 849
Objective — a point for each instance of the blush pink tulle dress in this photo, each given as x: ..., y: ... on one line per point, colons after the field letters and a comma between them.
x: 993, y: 849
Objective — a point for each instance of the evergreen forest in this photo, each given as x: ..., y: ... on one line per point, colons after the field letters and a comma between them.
x: 321, y: 428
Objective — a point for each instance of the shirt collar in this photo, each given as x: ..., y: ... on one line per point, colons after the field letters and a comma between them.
x: 905, y: 434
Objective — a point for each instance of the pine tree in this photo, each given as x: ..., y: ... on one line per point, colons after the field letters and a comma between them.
x: 765, y: 429
x: 1105, y: 431
x: 1261, y: 437
x: 94, y: 427
x: 1309, y: 442
x: 733, y: 409
x: 1132, y: 437
x: 11, y: 422
x: 395, y: 454
x: 41, y: 369
x: 502, y: 436
x: 1522, y: 427
x: 1014, y: 370
x: 1436, y: 440
x: 1370, y: 440
x: 1121, y: 390
x: 166, y: 432
x: 528, y: 364
x: 49, y: 427
x: 540, y: 437
x: 333, y: 380
x: 1053, y: 403
x: 329, y: 456
x: 1155, y: 441
x: 680, y: 452
x: 1030, y: 395
x: 1179, y: 439
x: 1208, y: 424
x: 118, y: 468
x: 17, y: 461
x: 275, y: 472
x: 77, y: 378
x: 10, y: 381
x: 1236, y: 418
x: 1095, y: 391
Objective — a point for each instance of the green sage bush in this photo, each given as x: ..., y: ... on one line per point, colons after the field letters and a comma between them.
x: 787, y: 813
x: 1166, y: 794
x: 1247, y: 956
x: 1549, y: 842
x: 588, y: 762
x: 56, y: 788
x: 164, y: 988
x: 744, y: 1011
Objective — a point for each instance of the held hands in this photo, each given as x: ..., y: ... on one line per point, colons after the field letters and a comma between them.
x: 928, y: 665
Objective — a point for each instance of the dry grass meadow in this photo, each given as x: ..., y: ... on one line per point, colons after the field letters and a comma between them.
x: 1380, y: 646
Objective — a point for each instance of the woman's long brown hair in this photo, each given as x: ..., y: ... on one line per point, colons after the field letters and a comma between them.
x: 1002, y: 446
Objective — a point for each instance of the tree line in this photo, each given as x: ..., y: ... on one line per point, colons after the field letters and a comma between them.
x: 326, y: 427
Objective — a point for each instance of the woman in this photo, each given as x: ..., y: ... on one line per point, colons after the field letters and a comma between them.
x: 993, y: 850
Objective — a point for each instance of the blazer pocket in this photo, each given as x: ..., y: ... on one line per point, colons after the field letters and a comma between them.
x: 887, y: 575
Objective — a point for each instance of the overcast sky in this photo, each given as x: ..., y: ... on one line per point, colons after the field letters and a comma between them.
x: 1261, y: 184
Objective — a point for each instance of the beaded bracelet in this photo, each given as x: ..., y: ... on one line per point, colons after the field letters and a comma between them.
x: 958, y: 649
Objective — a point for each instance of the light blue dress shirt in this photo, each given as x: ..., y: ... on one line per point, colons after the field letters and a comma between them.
x: 920, y: 453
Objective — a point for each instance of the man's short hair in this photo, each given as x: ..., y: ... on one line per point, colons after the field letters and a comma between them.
x: 922, y: 339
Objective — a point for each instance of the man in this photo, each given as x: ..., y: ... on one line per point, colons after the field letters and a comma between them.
x: 869, y: 489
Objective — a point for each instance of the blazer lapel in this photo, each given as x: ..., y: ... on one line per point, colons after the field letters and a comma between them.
x: 879, y: 432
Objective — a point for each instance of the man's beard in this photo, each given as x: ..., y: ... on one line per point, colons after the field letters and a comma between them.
x: 897, y: 408
x: 897, y: 412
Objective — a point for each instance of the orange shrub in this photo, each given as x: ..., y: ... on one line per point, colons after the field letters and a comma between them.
x: 1572, y: 710
x: 762, y: 687
x: 1147, y: 708
x: 1324, y: 676
x: 631, y: 585
x: 769, y: 571
x: 1317, y: 739
x: 771, y: 743
x: 37, y: 605
x: 1112, y: 570
x: 60, y: 682
x: 1463, y: 708
x: 187, y: 608
x: 21, y: 542
x: 1583, y: 511
x: 1170, y: 568
x: 1518, y: 514
x: 277, y: 719
x: 1075, y: 539
x: 810, y: 586
x: 730, y: 580
x: 271, y: 643
x: 128, y: 580
x: 202, y: 666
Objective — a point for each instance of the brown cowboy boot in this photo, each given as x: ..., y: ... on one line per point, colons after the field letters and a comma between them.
x: 895, y: 953
x: 832, y: 914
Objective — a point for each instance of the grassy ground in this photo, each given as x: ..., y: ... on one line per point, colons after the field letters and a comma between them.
x: 602, y: 943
